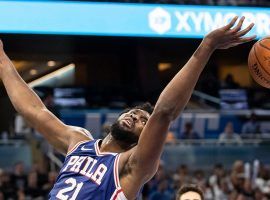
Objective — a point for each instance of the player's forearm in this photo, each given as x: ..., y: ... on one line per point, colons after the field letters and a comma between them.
x: 23, y: 98
x: 171, y: 101
x: 177, y: 93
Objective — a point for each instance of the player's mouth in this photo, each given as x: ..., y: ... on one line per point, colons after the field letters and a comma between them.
x: 128, y: 123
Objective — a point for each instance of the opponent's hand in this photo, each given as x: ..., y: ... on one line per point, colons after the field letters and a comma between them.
x: 229, y: 36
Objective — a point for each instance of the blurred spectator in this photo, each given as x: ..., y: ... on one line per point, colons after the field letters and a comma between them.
x: 162, y: 192
x: 152, y: 186
x: 241, y: 182
x: 229, y: 83
x: 4, y: 136
x: 182, y: 176
x: 170, y: 139
x: 199, y: 178
x: 50, y: 183
x: 208, y: 192
x: 189, y: 133
x: 1, y: 176
x: 219, y: 182
x: 210, y: 84
x: 228, y: 135
x: 18, y: 177
x: 221, y: 189
x: 252, y: 126
x: 33, y: 190
x: 235, y: 185
x: 217, y: 175
x: 40, y: 169
x: 20, y: 194
x: 21, y: 127
x: 6, y: 187
x: 190, y: 192
x: 259, y: 195
x: 262, y: 182
x: 1, y: 196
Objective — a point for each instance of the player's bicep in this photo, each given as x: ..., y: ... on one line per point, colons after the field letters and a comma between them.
x: 59, y: 135
x: 54, y: 131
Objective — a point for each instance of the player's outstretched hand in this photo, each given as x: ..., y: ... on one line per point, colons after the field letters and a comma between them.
x: 229, y: 35
x: 1, y: 47
x: 2, y: 56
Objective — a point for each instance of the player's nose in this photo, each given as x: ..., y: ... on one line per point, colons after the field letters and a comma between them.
x: 134, y: 117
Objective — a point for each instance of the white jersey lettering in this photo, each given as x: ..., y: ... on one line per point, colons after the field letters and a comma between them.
x: 71, y: 162
x: 76, y: 164
x: 99, y: 173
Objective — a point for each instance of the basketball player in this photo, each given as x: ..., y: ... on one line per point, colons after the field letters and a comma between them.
x: 190, y: 192
x: 118, y: 166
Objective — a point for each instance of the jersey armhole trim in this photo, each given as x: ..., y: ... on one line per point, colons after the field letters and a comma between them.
x: 76, y: 146
x: 118, y: 193
x: 116, y: 171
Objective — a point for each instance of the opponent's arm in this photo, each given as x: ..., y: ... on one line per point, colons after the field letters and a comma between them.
x: 175, y: 96
x: 29, y: 105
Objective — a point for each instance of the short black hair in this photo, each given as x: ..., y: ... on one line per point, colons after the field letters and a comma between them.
x: 145, y: 106
x: 189, y: 188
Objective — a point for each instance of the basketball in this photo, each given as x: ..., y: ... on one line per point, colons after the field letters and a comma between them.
x: 259, y: 62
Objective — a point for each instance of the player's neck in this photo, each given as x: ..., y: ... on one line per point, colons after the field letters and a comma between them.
x: 109, y: 144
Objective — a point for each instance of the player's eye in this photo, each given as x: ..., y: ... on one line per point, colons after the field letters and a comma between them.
x: 143, y: 122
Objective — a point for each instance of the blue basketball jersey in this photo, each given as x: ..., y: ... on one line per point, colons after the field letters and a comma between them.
x: 88, y: 174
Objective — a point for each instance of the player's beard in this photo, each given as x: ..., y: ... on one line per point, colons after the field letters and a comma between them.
x: 124, y: 136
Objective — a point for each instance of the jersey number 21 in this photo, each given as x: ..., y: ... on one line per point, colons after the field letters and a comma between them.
x: 72, y: 186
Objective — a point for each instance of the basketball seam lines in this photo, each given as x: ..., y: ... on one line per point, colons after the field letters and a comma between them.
x: 255, y: 53
x: 264, y: 46
x: 266, y: 38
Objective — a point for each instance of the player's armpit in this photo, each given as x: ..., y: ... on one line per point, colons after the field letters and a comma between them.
x: 133, y: 176
x: 144, y: 158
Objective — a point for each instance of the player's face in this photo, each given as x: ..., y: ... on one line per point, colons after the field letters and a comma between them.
x: 134, y: 121
x: 190, y: 196
x: 129, y: 126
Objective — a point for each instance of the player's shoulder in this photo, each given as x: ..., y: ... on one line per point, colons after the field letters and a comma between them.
x: 78, y: 135
x: 81, y: 132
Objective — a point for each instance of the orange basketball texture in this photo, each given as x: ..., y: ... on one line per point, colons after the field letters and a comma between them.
x: 259, y: 62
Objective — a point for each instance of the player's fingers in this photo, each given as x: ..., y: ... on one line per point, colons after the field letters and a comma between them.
x: 247, y: 39
x: 238, y: 26
x: 235, y: 44
x: 245, y: 31
x: 238, y: 41
x: 230, y: 25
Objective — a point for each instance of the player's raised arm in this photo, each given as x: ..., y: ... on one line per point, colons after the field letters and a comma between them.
x: 29, y: 105
x: 177, y: 93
